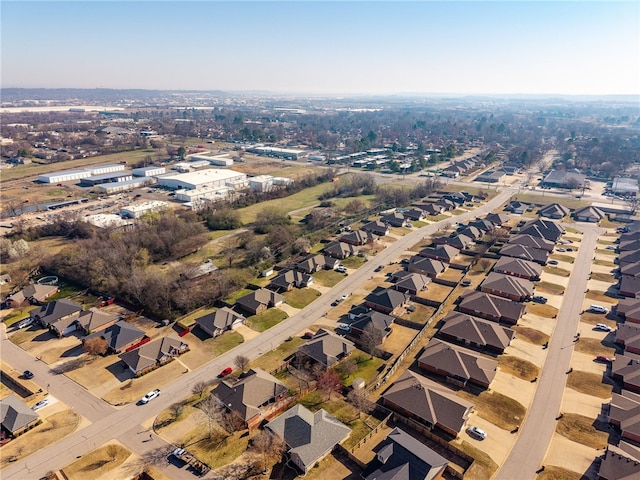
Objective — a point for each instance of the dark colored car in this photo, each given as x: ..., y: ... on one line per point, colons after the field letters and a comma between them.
x: 28, y: 374
x: 307, y: 335
x: 225, y: 372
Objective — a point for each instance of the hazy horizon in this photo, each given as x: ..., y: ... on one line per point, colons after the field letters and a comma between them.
x: 478, y: 48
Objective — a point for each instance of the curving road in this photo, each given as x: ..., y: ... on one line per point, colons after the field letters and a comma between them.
x: 536, y: 431
x: 125, y: 424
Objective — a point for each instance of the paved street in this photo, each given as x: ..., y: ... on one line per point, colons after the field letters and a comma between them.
x: 536, y: 431
x: 124, y: 424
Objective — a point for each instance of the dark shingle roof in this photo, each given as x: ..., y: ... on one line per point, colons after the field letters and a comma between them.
x: 481, y: 332
x: 52, y: 312
x: 119, y: 335
x: 459, y: 362
x: 326, y: 347
x: 14, y: 414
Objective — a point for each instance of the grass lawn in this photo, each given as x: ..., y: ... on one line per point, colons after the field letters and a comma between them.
x: 231, y: 299
x: 301, y: 297
x: 556, y: 271
x: 265, y: 320
x: 367, y: 367
x: 580, y: 429
x: 531, y: 335
x: 603, y: 277
x: 535, y: 199
x: 562, y: 258
x: 223, y: 343
x: 551, y: 288
x: 52, y: 429
x: 16, y: 316
x: 502, y: 411
x: 97, y: 463
x: 483, y: 466
x: 190, y: 319
x: 419, y: 223
x: 599, y: 296
x: 551, y: 472
x: 400, y: 231
x: 603, y: 251
x: 575, y: 231
x: 353, y: 262
x: 589, y: 383
x: 421, y: 314
x: 215, y: 452
x: 603, y: 263
x: 328, y: 278
x: 593, y: 318
x: 274, y: 358
x: 543, y: 310
x: 594, y: 347
x: 518, y: 367
x: 437, y: 218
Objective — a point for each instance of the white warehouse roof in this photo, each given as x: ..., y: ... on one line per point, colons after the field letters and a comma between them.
x: 210, y: 177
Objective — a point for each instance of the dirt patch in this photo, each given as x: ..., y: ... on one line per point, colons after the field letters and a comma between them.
x: 542, y: 310
x: 589, y: 384
x: 583, y: 430
x: 518, y: 367
x: 548, y: 287
x: 531, y: 335
x: 502, y: 411
x: 558, y: 473
x: 593, y: 347
x: 600, y: 297
x: 399, y: 339
x: 436, y: 292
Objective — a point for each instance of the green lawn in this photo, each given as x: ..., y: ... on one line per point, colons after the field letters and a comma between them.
x: 231, y: 299
x: 301, y: 297
x: 367, y: 367
x: 419, y: 223
x: 437, y: 218
x: 265, y: 320
x: 328, y: 278
x: 190, y: 319
x: 274, y: 358
x: 17, y: 316
x: 353, y: 261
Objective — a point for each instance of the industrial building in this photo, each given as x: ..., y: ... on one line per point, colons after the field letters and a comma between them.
x: 148, y: 171
x: 288, y: 153
x: 107, y: 220
x: 198, y: 163
x: 68, y: 175
x: 261, y: 183
x: 137, y: 210
x: 625, y: 186
x: 105, y: 178
x: 204, y: 178
x: 125, y: 186
x: 221, y: 159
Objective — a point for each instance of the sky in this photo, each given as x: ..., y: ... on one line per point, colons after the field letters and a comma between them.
x: 576, y: 47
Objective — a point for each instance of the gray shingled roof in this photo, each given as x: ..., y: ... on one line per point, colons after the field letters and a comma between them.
x: 506, y: 285
x: 147, y: 355
x: 518, y: 266
x: 93, y: 318
x: 491, y: 306
x: 14, y: 414
x: 326, y: 347
x: 222, y: 319
x: 458, y: 362
x: 119, y: 335
x: 52, y: 312
x: 473, y: 329
x: 309, y: 435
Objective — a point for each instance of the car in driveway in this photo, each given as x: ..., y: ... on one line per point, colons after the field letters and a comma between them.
x: 466, y: 283
x: 341, y: 269
x: 150, y: 396
x: 553, y: 262
x: 40, y: 404
x: 307, y: 335
x: 598, y: 309
x: 344, y: 327
x: 602, y: 327
x: 225, y: 372
x: 539, y: 299
x: 477, y: 432
x: 561, y: 249
x: 28, y: 374
x: 26, y: 322
x: 603, y: 359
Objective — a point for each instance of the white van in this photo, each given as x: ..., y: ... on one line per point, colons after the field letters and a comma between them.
x: 598, y: 309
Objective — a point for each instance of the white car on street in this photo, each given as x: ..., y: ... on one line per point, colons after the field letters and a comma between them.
x: 150, y: 396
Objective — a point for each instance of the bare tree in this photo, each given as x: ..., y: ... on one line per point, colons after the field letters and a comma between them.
x: 268, y: 447
x: 370, y: 339
x: 329, y: 383
x: 112, y: 452
x: 212, y: 410
x: 199, y: 388
x: 359, y: 398
x: 348, y: 367
x: 176, y: 410
x: 95, y: 346
x: 242, y: 362
x: 484, y: 263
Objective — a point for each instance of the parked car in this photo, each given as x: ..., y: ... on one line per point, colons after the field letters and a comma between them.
x: 466, y: 283
x: 552, y: 262
x: 307, y: 335
x: 598, y: 309
x: 341, y: 269
x: 378, y: 268
x: 610, y: 247
x: 26, y: 322
x: 539, y: 299
x: 344, y: 327
x: 28, y: 374
x: 602, y: 327
x: 150, y: 396
x: 602, y: 358
x: 561, y: 249
x: 225, y: 372
x: 40, y: 404
x: 477, y: 432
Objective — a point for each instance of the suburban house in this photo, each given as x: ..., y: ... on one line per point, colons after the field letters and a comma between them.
x: 444, y: 253
x: 254, y: 397
x: 446, y: 204
x: 414, y: 214
x: 498, y: 219
x: 426, y: 266
x: 376, y: 228
x: 358, y: 237
x: 491, y: 307
x: 459, y: 365
x: 410, y: 282
x: 615, y: 466
x: 386, y: 300
x: 315, y: 263
x: 532, y: 242
x: 58, y: 316
x: 525, y: 253
x: 94, y: 320
x: 456, y: 197
x: 554, y: 211
x: 473, y: 332
x: 543, y: 228
x: 632, y: 269
x: 395, y: 219
x: 259, y: 301
x: 119, y: 336
x: 309, y: 436
x: 325, y: 348
x: 33, y: 293
x: 400, y: 456
x: 628, y: 335
x: 218, y: 322
x: 427, y: 403
x: 516, y: 267
x: 629, y: 286
x: 372, y: 319
x: 289, y: 279
x: 482, y: 224
x: 461, y: 242
x: 516, y: 207
x: 624, y: 413
x: 15, y: 416
x: 629, y: 309
x: 629, y: 245
x: 589, y: 214
x: 340, y: 250
x: 513, y: 288
x: 431, y: 209
x: 474, y: 233
x: 626, y: 369
x: 629, y: 257
x: 155, y: 353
